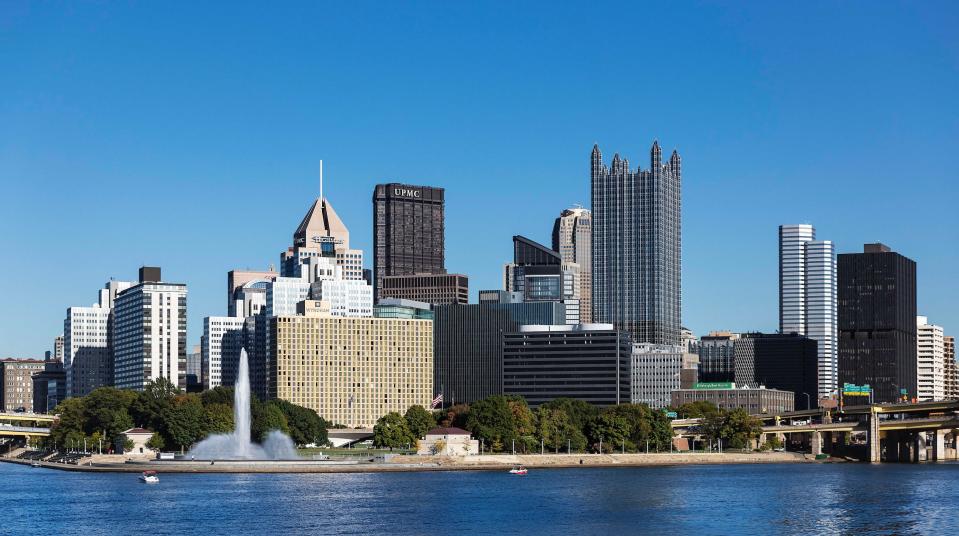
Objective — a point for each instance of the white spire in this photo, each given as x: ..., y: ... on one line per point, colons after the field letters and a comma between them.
x: 321, y: 181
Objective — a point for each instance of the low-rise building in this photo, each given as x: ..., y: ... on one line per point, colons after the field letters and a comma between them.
x: 448, y: 442
x: 49, y: 387
x: 397, y: 308
x: 139, y: 437
x: 726, y: 396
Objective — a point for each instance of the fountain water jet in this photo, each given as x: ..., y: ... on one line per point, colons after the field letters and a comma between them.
x: 237, y: 445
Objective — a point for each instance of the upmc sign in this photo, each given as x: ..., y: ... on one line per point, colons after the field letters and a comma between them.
x: 407, y: 192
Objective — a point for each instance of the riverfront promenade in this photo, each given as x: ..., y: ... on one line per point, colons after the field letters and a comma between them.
x: 408, y: 463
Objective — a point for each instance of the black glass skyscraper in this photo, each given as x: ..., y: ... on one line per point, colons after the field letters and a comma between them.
x: 408, y: 231
x: 877, y: 322
x: 637, y: 246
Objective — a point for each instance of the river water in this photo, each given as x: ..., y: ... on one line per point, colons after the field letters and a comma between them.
x: 689, y: 500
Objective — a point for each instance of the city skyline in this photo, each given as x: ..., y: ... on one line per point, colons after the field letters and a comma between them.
x: 775, y: 139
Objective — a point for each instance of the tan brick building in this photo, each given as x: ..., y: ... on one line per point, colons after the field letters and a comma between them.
x: 352, y: 371
x: 16, y: 383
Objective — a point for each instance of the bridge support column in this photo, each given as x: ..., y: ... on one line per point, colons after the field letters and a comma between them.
x: 873, y: 444
x: 939, y: 445
x: 918, y: 444
x: 815, y: 441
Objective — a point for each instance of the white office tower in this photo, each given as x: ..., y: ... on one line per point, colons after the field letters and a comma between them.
x: 344, y: 297
x: 655, y: 372
x: 87, y: 352
x: 931, y: 365
x: 283, y: 293
x: 321, y: 233
x: 572, y: 238
x: 149, y: 333
x: 220, y: 347
x: 807, y: 296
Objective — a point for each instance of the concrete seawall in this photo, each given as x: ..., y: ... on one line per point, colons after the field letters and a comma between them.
x: 408, y: 463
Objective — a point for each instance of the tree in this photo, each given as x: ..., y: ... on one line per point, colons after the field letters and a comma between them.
x: 608, y: 430
x: 150, y: 403
x: 107, y: 412
x: 697, y: 409
x: 554, y: 428
x: 184, y: 421
x: 217, y: 395
x: 503, y: 420
x: 156, y: 443
x: 419, y: 421
x: 452, y: 416
x: 580, y: 412
x: 71, y: 422
x: 743, y: 428
x: 306, y: 427
x: 266, y: 418
x: 391, y: 430
x: 218, y: 418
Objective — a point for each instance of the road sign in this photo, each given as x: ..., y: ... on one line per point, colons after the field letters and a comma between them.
x: 672, y: 414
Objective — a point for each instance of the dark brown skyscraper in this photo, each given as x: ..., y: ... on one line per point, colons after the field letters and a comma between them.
x: 408, y: 232
x: 877, y: 322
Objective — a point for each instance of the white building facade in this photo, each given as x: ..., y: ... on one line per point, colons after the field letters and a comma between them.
x: 655, y: 372
x: 931, y: 363
x: 86, y: 344
x: 284, y: 293
x: 149, y: 335
x: 807, y: 296
x: 220, y: 347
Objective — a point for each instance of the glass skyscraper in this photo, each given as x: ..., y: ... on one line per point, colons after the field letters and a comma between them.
x: 637, y: 246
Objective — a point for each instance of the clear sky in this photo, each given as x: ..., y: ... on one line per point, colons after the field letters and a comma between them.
x: 188, y: 136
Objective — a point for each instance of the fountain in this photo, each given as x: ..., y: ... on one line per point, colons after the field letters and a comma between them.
x: 237, y: 445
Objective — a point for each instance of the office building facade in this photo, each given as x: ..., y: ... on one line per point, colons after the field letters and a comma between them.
x: 408, y: 233
x: 717, y: 357
x: 951, y: 368
x: 468, y: 344
x: 49, y: 387
x: 636, y: 246
x: 572, y: 239
x: 351, y: 371
x: 930, y: 361
x: 321, y: 233
x: 149, y: 333
x: 657, y: 370
x: 807, y: 296
x: 756, y: 401
x: 538, y: 274
x: 438, y: 289
x: 788, y: 362
x: 877, y: 322
x: 585, y: 362
x: 220, y: 347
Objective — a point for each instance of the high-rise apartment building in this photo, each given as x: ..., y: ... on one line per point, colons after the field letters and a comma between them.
x: 807, y: 296
x: 149, y: 333
x: 586, y: 362
x: 636, y: 246
x: 572, y: 238
x: 931, y: 361
x: 351, y: 371
x: 57, y: 349
x: 16, y: 383
x: 951, y: 367
x: 877, y: 322
x: 408, y: 233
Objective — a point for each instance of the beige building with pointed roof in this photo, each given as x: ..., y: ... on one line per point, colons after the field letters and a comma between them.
x: 321, y: 233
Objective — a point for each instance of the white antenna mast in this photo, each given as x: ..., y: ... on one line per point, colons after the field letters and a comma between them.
x: 321, y: 182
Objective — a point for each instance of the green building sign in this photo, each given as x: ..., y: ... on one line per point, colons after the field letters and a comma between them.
x: 714, y: 385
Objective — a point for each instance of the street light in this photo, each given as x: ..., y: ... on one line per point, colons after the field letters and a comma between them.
x: 808, y: 404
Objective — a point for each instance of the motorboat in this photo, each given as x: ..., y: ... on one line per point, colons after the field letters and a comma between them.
x: 518, y: 471
x: 36, y: 464
x: 149, y: 477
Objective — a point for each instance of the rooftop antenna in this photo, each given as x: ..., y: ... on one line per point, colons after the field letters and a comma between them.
x: 321, y: 182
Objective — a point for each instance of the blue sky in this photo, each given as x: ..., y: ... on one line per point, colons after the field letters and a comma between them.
x: 187, y: 136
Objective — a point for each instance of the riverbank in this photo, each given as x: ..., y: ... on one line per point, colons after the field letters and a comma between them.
x: 409, y: 463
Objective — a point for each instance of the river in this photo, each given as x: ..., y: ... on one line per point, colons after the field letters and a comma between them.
x: 691, y: 500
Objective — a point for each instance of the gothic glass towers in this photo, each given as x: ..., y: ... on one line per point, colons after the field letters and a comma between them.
x: 637, y: 246
x: 807, y: 295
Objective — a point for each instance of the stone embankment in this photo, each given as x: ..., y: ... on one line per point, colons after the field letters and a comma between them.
x: 406, y: 463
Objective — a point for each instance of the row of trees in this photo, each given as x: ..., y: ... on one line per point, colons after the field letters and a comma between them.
x: 502, y: 422
x: 177, y: 419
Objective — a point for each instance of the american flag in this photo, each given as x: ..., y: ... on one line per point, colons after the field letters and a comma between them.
x: 436, y: 401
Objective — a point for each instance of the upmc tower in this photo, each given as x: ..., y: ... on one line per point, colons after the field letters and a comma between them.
x: 407, y: 231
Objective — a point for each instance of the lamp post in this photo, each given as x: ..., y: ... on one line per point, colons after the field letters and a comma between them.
x: 600, y: 444
x: 568, y: 449
x: 808, y: 403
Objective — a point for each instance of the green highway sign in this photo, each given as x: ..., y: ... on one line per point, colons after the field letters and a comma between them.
x: 671, y: 414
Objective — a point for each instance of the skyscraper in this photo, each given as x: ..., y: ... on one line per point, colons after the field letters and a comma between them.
x: 149, y: 333
x: 877, y: 322
x: 931, y: 360
x: 321, y: 233
x: 88, y: 342
x: 408, y: 232
x: 537, y: 273
x: 807, y: 296
x: 636, y: 246
x: 572, y: 238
